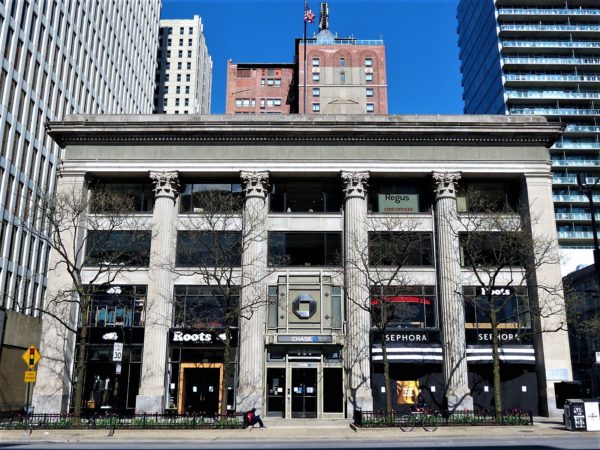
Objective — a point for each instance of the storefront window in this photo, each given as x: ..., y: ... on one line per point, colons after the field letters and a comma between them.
x: 208, y: 248
x: 202, y: 307
x: 128, y: 248
x: 403, y: 307
x: 305, y: 249
x: 214, y: 197
x: 305, y: 196
x: 510, y: 304
x: 400, y: 249
x: 118, y: 306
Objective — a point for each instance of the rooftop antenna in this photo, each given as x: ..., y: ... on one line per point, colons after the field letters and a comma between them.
x: 324, y: 19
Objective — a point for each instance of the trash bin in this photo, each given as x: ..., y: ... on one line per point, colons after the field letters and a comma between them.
x: 575, y: 415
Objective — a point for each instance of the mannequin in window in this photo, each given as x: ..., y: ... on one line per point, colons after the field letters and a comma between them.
x: 106, y: 391
x: 97, y: 390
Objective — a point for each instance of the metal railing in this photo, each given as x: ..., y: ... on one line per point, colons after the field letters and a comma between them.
x: 550, y: 77
x: 114, y: 422
x: 548, y: 27
x: 381, y: 419
x: 550, y: 44
x: 549, y: 11
x: 556, y: 111
x: 533, y: 60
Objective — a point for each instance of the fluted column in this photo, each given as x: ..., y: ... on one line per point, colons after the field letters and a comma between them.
x: 159, y: 305
x: 356, y: 242
x: 451, y: 302
x: 254, y: 264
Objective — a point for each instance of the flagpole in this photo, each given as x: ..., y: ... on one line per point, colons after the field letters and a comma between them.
x: 305, y: 68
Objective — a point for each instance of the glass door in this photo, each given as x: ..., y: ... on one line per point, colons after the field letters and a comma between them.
x: 304, y: 393
x: 275, y: 392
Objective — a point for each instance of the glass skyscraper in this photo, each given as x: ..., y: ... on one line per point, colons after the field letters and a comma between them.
x: 542, y: 57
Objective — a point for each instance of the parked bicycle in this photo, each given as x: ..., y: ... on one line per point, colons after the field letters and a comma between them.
x: 427, y: 418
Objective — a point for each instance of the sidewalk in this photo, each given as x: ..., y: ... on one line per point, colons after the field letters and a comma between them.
x: 294, y: 429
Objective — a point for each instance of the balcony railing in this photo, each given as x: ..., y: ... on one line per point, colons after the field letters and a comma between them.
x: 344, y: 42
x: 575, y: 162
x: 575, y: 216
x: 551, y: 77
x: 550, y: 44
x: 572, y: 179
x: 575, y: 235
x: 572, y: 128
x: 530, y: 60
x: 580, y: 145
x: 548, y: 27
x: 553, y: 94
x: 550, y: 11
x: 556, y: 111
x: 574, y: 198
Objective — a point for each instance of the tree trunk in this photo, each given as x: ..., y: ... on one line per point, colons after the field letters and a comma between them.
x: 386, y: 375
x: 496, y: 366
x: 226, y: 370
x: 80, y: 366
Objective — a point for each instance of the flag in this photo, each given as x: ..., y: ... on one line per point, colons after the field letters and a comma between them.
x: 309, y: 16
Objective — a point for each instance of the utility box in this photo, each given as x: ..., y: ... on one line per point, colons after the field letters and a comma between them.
x: 575, y: 415
x: 565, y: 390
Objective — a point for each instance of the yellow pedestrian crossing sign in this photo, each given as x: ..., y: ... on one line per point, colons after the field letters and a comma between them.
x: 31, y: 356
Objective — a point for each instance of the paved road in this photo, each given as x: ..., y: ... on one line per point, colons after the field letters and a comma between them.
x: 572, y: 442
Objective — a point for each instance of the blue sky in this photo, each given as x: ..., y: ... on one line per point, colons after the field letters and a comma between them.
x: 420, y: 37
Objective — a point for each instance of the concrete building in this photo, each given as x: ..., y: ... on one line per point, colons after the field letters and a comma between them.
x: 313, y: 189
x: 343, y: 76
x: 184, y: 73
x: 541, y: 57
x: 56, y: 58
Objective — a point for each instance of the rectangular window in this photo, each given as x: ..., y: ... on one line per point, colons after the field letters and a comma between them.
x: 316, y: 76
x: 316, y: 92
x: 305, y: 249
x: 342, y: 77
x: 370, y: 107
x: 488, y: 196
x: 209, y: 249
x: 316, y: 62
x: 203, y: 307
x: 342, y: 62
x: 128, y: 248
x: 215, y: 196
x: 403, y: 306
x: 316, y: 107
x: 368, y: 62
x: 122, y: 306
x: 400, y: 249
x: 487, y: 249
x: 139, y: 194
x: 369, y: 92
x: 510, y: 303
x: 368, y: 77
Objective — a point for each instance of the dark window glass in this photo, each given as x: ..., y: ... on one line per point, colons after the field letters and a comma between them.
x: 395, y: 197
x: 305, y: 249
x: 403, y: 306
x: 306, y: 197
x: 128, y: 248
x: 139, y: 194
x: 209, y: 248
x: 488, y: 196
x: 511, y: 305
x: 493, y: 249
x: 118, y: 306
x: 217, y: 196
x: 203, y: 307
x: 400, y: 249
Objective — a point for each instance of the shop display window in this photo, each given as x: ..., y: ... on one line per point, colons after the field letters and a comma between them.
x: 209, y: 248
x: 125, y: 248
x: 510, y: 304
x: 400, y: 249
x: 118, y: 306
x: 403, y: 306
x: 202, y: 307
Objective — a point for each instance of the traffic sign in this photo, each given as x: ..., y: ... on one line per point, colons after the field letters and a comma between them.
x: 30, y: 376
x: 31, y: 356
x: 118, y: 352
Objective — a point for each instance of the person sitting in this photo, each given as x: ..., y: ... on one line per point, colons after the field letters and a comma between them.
x: 251, y: 419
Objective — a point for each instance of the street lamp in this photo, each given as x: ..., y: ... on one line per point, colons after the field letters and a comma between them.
x: 588, y: 189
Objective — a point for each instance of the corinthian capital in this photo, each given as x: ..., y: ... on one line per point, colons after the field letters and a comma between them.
x: 256, y: 184
x: 355, y: 184
x: 445, y: 184
x: 166, y: 184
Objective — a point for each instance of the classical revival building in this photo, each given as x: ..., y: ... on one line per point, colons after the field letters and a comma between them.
x: 320, y: 199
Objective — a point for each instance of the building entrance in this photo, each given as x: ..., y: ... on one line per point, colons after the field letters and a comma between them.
x: 276, y: 392
x: 304, y: 393
x: 200, y: 388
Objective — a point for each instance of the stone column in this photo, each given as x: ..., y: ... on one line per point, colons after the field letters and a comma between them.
x: 159, y: 304
x: 253, y: 293
x: 451, y: 302
x: 356, y: 242
x: 51, y: 393
x: 553, y: 357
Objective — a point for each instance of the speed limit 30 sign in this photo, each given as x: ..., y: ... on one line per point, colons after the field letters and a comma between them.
x: 117, y: 352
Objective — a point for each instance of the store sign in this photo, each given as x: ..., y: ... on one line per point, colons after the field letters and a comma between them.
x: 398, y: 203
x: 198, y: 337
x: 400, y: 337
x: 304, y: 339
x: 497, y: 292
x: 484, y: 337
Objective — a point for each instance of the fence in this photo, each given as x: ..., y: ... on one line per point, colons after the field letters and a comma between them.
x: 114, y: 422
x: 378, y: 419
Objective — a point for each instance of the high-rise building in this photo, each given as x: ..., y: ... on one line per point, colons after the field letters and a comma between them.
x: 343, y: 76
x: 184, y: 72
x: 524, y: 57
x: 56, y: 58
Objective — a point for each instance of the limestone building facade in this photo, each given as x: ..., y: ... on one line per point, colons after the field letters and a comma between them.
x: 317, y: 196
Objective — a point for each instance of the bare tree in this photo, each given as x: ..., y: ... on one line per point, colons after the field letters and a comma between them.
x: 94, y: 238
x: 390, y: 300
x: 210, y: 246
x: 504, y: 255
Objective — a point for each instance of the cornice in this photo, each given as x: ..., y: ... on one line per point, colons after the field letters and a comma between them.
x: 298, y: 130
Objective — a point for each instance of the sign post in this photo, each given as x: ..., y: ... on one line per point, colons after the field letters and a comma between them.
x: 31, y: 358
